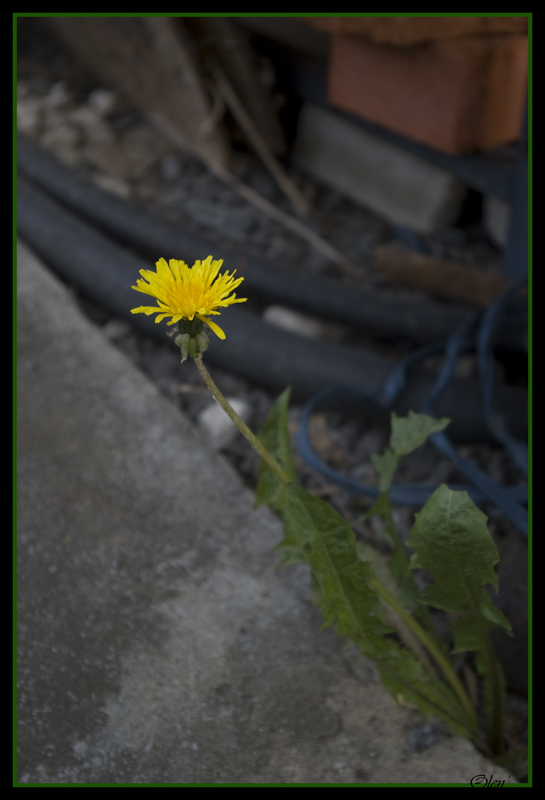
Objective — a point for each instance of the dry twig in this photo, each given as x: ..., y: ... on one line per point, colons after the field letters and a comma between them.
x: 229, y: 95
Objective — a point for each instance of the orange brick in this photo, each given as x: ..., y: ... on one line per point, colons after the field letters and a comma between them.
x: 416, y: 30
x: 457, y: 95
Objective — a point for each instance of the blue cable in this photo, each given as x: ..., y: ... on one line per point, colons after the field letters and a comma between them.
x: 511, y: 499
x: 496, y: 423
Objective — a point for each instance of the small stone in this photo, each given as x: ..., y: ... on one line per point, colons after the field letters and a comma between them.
x: 29, y: 115
x: 102, y: 101
x: 84, y: 117
x: 128, y: 156
x: 496, y: 218
x: 424, y: 736
x: 216, y: 426
x: 111, y: 184
x: 302, y: 324
x: 63, y: 140
x: 58, y: 96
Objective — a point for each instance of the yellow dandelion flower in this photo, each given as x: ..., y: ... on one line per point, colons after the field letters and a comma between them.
x: 186, y: 293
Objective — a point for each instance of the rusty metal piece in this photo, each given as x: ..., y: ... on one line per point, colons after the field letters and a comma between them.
x: 447, y: 279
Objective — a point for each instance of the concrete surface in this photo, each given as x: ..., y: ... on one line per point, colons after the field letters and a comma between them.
x: 157, y: 641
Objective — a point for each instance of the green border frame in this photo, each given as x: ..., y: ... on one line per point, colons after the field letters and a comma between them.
x: 15, y: 16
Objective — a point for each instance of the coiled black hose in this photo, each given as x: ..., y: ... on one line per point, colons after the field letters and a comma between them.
x: 258, y: 352
x: 366, y: 309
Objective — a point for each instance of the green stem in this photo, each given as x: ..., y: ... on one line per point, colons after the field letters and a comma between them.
x: 438, y: 703
x: 493, y: 692
x: 421, y: 612
x: 426, y: 640
x: 241, y: 425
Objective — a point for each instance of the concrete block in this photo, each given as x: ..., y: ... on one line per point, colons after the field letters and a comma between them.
x: 456, y: 95
x: 496, y: 218
x: 402, y: 188
x: 216, y: 426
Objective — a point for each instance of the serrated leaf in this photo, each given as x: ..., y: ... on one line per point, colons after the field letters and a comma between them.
x: 329, y: 546
x: 348, y: 603
x: 289, y: 550
x: 367, y: 552
x: 409, y: 433
x: 385, y: 465
x: 451, y: 540
x: 316, y: 532
x: 274, y: 435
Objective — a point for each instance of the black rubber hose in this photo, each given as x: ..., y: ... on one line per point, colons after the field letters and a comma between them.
x: 254, y: 350
x: 366, y: 309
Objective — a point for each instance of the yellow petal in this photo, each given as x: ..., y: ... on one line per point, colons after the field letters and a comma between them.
x: 216, y: 328
x: 145, y: 310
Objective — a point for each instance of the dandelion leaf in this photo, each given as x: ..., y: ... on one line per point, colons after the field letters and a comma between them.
x: 409, y: 433
x: 385, y: 466
x: 451, y: 540
x: 353, y: 608
x: 274, y: 435
x: 329, y: 546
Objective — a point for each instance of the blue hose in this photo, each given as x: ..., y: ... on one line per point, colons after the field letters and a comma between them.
x: 511, y: 500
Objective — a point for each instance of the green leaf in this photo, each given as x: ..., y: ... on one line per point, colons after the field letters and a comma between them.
x: 329, y: 546
x: 382, y: 508
x: 406, y: 679
x: 385, y: 465
x: 383, y: 571
x: 411, y: 432
x: 367, y: 552
x: 275, y: 436
x: 451, y: 540
x: 316, y: 533
x: 290, y: 552
x: 353, y: 608
x: 406, y: 590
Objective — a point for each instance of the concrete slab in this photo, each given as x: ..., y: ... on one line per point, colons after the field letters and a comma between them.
x: 157, y: 641
x: 402, y: 188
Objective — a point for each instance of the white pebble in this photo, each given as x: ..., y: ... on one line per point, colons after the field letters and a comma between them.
x: 216, y: 426
x: 294, y: 321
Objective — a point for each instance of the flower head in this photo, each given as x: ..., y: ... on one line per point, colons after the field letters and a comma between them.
x: 185, y: 293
